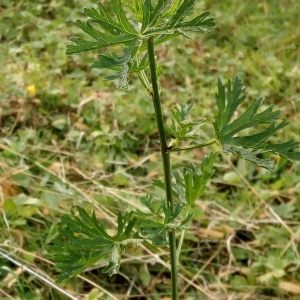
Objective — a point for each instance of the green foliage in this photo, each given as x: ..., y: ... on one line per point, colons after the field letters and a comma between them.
x: 259, y: 42
x: 181, y: 126
x: 156, y: 224
x: 84, y: 242
x: 190, y: 182
x: 161, y: 22
x: 150, y: 20
x: 249, y: 147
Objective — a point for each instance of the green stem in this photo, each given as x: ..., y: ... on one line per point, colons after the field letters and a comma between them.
x: 166, y: 161
x: 180, y: 245
x: 144, y: 79
x: 175, y: 149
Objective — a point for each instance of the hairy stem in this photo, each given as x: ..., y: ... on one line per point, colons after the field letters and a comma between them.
x: 166, y: 161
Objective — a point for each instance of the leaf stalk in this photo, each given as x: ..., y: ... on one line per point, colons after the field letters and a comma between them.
x: 194, y: 146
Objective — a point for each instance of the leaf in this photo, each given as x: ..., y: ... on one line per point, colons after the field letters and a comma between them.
x: 163, y: 21
x: 285, y: 210
x: 182, y: 12
x: 122, y: 75
x: 249, y: 147
x: 83, y: 45
x: 113, y: 32
x: 186, y: 220
x: 191, y: 182
x: 83, y: 242
x: 284, y: 149
x: 136, y: 7
x: 155, y: 207
x: 172, y: 9
x: 178, y: 186
x: 127, y: 26
x: 138, y: 66
x: 176, y: 22
x: 114, y: 62
x: 181, y: 127
x: 250, y: 155
x: 122, y: 26
x: 181, y: 113
x: 151, y: 15
x: 170, y: 216
x: 156, y: 232
x: 155, y: 226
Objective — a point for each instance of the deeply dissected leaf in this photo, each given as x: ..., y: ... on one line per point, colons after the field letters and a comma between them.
x: 181, y: 115
x: 186, y: 220
x: 121, y: 64
x: 156, y: 225
x: 250, y: 155
x: 183, y: 10
x: 171, y: 10
x: 190, y: 183
x: 136, y: 7
x: 177, y: 24
x: 249, y: 147
x: 156, y: 232
x: 151, y: 15
x: 285, y: 150
x: 139, y: 65
x: 171, y: 215
x: 163, y: 20
x: 181, y: 127
x: 83, y: 242
x: 155, y: 207
x: 122, y: 26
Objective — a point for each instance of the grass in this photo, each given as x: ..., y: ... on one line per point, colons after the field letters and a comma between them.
x: 67, y: 138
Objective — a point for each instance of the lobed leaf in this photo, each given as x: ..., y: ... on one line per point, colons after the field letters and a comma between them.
x: 156, y: 232
x: 250, y: 155
x: 189, y: 183
x: 200, y: 23
x: 249, y: 147
x: 181, y: 127
x: 107, y: 23
x: 126, y: 25
x: 83, y: 45
x: 136, y: 7
x: 161, y: 7
x: 83, y: 242
x: 164, y: 20
x: 285, y: 149
x: 170, y: 216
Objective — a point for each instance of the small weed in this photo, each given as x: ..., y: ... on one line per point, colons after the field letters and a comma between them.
x: 68, y: 139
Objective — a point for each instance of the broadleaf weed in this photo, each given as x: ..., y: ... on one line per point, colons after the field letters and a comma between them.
x: 82, y: 241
